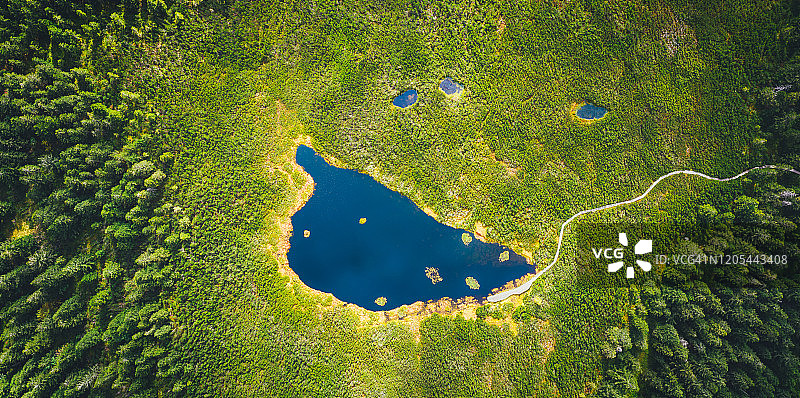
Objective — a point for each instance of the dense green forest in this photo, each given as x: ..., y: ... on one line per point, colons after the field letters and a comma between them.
x: 147, y: 179
x: 88, y: 238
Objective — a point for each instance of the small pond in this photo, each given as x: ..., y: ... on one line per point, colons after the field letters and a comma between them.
x: 361, y: 241
x: 591, y: 112
x: 406, y: 99
x: 449, y: 87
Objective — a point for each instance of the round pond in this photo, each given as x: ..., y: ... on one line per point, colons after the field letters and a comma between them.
x: 591, y: 112
x: 406, y: 99
x: 449, y: 87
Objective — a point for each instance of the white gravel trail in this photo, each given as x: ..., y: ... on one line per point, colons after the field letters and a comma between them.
x: 527, y: 285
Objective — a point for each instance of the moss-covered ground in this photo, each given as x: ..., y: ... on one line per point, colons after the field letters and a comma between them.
x: 505, y: 160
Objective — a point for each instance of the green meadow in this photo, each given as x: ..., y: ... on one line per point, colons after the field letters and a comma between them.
x: 149, y: 180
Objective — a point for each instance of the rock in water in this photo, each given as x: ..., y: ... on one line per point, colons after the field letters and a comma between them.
x: 472, y: 283
x: 504, y: 256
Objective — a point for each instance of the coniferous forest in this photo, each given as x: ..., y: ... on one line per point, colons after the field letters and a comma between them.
x: 147, y: 180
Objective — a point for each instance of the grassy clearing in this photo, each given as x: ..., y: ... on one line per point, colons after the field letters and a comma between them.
x: 506, y: 161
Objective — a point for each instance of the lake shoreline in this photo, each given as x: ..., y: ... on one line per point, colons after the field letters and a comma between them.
x: 405, y: 313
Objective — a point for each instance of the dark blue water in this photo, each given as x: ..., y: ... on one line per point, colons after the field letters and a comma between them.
x: 406, y: 99
x: 387, y: 255
x: 591, y: 112
x: 450, y: 87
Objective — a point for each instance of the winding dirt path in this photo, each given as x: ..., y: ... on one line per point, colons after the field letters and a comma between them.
x: 527, y: 285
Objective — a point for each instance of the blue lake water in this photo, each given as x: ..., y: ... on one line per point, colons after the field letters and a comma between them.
x: 450, y: 87
x: 406, y: 99
x: 387, y: 255
x: 591, y: 112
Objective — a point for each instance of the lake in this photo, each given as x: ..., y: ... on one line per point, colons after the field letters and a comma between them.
x: 406, y: 99
x: 591, y: 112
x: 359, y: 240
